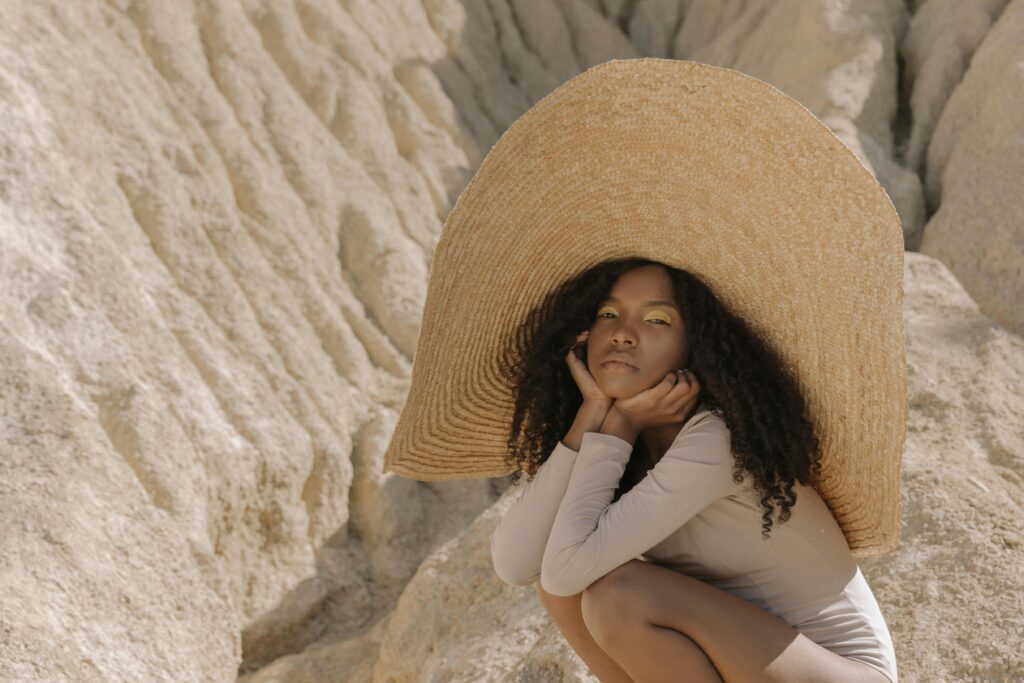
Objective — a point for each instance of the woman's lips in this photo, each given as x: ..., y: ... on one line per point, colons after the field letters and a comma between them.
x: 617, y: 366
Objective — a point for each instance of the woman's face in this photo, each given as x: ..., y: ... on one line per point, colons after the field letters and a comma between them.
x: 641, y: 322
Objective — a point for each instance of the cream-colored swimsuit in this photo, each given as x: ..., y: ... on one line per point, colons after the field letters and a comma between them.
x: 689, y: 515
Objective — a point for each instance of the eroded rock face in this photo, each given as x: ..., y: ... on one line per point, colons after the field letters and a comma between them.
x: 217, y: 221
x: 973, y: 172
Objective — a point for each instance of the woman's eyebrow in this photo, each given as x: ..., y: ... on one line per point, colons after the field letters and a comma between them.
x: 651, y: 302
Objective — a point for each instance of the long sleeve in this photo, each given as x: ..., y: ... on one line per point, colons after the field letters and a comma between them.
x: 520, y: 536
x: 591, y: 536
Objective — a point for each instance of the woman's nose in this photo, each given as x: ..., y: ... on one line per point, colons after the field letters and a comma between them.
x: 623, y: 334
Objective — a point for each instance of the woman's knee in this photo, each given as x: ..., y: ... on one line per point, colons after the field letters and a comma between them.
x: 610, y: 603
x: 566, y: 612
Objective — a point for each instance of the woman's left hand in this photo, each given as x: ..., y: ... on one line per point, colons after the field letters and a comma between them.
x: 670, y: 401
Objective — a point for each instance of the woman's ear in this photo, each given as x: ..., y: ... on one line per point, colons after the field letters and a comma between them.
x: 579, y: 348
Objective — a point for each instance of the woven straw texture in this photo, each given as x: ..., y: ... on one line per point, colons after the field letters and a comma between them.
x: 706, y: 169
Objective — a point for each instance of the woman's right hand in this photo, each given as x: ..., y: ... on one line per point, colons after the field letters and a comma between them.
x: 592, y: 393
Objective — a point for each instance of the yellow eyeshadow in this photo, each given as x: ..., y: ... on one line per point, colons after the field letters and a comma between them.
x: 605, y: 309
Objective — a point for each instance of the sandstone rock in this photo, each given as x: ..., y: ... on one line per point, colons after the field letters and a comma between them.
x: 973, y: 174
x: 217, y: 221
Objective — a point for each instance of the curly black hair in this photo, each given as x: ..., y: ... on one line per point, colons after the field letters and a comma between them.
x: 742, y: 381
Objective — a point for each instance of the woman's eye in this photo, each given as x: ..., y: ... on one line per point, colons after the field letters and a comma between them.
x: 659, y: 320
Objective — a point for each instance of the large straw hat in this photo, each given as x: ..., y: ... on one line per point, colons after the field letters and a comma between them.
x: 706, y: 169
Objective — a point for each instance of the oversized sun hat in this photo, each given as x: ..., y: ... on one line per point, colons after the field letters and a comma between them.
x: 702, y: 168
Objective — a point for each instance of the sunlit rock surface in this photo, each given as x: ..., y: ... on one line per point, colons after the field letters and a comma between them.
x: 217, y: 221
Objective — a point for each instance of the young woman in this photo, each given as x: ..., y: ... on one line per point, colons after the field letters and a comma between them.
x: 660, y: 446
x: 673, y: 297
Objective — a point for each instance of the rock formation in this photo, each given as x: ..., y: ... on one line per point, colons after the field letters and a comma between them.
x: 216, y: 226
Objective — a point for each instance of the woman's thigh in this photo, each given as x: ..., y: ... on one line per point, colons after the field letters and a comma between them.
x: 744, y: 642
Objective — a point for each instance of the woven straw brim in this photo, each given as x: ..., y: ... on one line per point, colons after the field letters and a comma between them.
x: 706, y: 169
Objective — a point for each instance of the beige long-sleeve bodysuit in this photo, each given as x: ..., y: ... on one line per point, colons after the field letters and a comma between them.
x: 689, y: 515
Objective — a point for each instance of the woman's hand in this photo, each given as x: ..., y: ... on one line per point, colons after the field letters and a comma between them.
x: 592, y: 393
x: 670, y: 401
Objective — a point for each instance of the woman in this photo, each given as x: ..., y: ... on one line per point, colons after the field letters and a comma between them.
x: 782, y: 604
x: 675, y: 216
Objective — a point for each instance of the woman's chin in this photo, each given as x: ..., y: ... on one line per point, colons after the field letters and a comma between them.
x: 624, y: 386
x: 623, y: 390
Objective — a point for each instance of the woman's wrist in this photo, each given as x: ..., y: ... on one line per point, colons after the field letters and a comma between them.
x: 595, y: 410
x: 589, y: 418
x: 617, y: 423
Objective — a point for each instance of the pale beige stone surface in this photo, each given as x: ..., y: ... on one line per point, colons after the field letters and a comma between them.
x: 216, y: 225
x: 973, y: 173
x: 937, y: 49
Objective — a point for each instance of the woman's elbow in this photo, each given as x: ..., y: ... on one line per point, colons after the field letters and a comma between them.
x: 513, y: 570
x: 514, y: 573
x: 557, y: 585
x: 516, y: 578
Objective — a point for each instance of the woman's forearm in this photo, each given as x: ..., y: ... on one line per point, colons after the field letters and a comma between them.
x: 519, y: 538
x: 589, y: 418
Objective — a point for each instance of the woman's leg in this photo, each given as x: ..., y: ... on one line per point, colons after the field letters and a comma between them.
x: 566, y: 613
x: 649, y: 617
